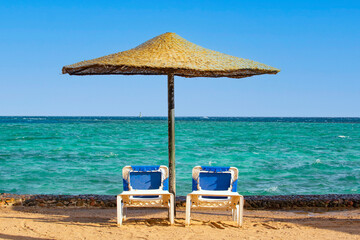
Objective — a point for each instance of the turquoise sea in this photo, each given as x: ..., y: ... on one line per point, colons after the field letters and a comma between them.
x: 85, y: 155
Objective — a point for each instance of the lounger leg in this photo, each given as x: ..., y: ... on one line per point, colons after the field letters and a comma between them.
x: 172, y: 209
x: 241, y: 211
x: 188, y: 210
x: 119, y: 210
x: 169, y: 210
x: 124, y: 213
x: 238, y: 215
x: 233, y: 214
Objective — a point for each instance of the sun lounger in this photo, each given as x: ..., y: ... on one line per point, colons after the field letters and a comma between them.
x: 215, y: 187
x: 145, y: 186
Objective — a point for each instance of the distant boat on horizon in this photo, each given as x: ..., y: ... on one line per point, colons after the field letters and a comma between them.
x: 140, y: 115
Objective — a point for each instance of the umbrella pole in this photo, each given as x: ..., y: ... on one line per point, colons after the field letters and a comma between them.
x: 171, y: 134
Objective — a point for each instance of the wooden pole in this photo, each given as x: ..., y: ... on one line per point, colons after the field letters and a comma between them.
x: 171, y: 134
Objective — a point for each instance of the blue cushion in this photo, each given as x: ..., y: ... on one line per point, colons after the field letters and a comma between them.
x: 215, y: 169
x: 214, y: 181
x: 125, y: 185
x: 145, y: 168
x: 145, y: 180
x: 166, y: 184
x: 194, y: 185
x: 234, y: 186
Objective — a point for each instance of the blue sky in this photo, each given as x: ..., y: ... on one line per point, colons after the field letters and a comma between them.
x: 316, y: 44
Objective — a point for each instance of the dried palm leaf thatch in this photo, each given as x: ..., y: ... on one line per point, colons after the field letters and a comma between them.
x: 169, y: 53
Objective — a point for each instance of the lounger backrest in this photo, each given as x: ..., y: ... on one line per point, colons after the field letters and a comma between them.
x: 145, y: 178
x: 215, y: 178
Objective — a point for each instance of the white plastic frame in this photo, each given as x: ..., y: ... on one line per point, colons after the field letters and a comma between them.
x: 234, y: 200
x: 130, y: 199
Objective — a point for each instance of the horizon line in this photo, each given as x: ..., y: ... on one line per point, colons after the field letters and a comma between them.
x: 133, y: 116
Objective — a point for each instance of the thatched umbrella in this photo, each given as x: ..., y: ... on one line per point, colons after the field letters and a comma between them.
x: 172, y: 55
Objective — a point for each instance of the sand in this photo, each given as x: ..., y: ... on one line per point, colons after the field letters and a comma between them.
x: 80, y: 223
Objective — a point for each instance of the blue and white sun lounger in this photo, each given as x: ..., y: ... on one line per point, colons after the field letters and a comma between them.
x: 145, y: 186
x: 215, y: 187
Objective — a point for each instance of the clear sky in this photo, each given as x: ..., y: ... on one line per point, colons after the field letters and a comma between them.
x: 316, y: 44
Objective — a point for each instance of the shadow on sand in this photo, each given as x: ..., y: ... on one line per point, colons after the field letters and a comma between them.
x: 273, y: 220
x: 17, y: 237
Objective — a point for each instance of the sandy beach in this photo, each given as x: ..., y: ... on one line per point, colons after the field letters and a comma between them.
x: 94, y: 223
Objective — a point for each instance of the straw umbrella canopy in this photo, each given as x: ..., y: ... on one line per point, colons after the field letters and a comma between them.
x: 171, y: 55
